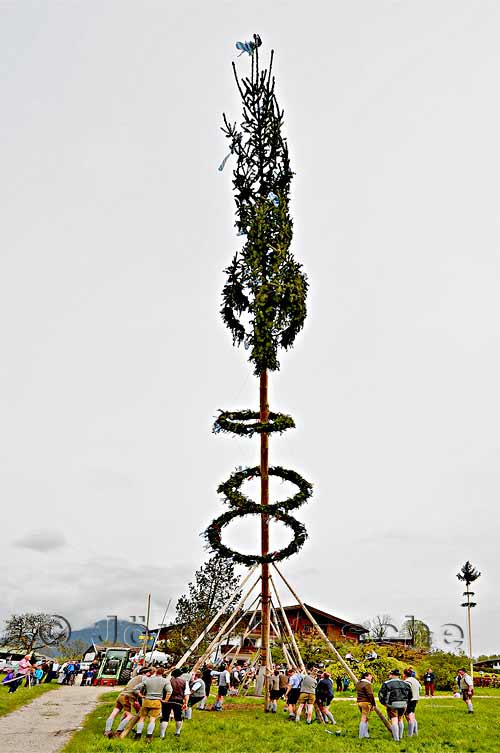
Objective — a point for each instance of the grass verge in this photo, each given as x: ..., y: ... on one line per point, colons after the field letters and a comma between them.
x: 12, y: 701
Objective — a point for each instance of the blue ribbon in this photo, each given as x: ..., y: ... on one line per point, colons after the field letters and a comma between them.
x: 223, y: 163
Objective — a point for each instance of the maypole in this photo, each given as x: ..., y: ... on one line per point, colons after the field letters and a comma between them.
x: 468, y: 574
x: 264, y: 306
x: 264, y: 527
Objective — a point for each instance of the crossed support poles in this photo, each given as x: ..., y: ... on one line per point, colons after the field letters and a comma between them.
x: 285, y: 634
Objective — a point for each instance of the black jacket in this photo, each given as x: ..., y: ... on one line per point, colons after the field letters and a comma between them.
x: 394, y: 693
x: 324, y: 690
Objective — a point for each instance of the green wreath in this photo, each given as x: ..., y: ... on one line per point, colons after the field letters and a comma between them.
x: 235, y: 422
x: 243, y: 505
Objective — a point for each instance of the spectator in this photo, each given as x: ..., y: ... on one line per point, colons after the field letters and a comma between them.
x: 429, y: 683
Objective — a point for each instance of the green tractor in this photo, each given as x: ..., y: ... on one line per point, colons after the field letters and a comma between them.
x: 116, y: 667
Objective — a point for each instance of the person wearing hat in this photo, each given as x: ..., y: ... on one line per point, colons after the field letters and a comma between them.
x: 394, y: 694
x: 175, y: 703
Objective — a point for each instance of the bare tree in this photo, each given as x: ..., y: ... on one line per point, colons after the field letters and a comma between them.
x: 31, y: 631
x: 380, y: 626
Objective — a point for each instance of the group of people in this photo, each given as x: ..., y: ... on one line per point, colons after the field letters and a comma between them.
x: 309, y: 690
x: 400, y: 697
x: 33, y: 671
x: 154, y: 693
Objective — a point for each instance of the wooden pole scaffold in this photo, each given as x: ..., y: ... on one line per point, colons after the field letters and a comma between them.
x: 232, y: 626
x: 224, y: 627
x: 214, y: 620
x: 247, y: 632
x: 289, y: 628
x: 328, y: 642
x: 146, y: 637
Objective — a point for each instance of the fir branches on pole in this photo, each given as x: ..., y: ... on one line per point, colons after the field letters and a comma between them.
x: 263, y: 305
x: 468, y: 574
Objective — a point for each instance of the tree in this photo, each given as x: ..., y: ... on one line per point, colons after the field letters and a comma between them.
x: 72, y: 649
x: 213, y: 585
x: 418, y: 633
x: 30, y: 631
x: 380, y: 626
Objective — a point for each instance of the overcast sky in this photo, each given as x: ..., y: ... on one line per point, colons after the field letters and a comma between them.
x: 116, y: 226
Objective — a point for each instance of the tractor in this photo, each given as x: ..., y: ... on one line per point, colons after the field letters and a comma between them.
x: 116, y: 667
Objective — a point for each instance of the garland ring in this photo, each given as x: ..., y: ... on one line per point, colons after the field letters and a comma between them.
x: 243, y: 505
x: 237, y: 422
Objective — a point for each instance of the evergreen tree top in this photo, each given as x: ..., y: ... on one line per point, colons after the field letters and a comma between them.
x: 264, y: 298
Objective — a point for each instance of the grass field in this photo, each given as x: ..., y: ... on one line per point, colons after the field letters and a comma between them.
x: 242, y: 727
x: 11, y: 701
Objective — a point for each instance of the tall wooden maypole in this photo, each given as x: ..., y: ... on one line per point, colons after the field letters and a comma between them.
x: 468, y: 574
x: 264, y: 306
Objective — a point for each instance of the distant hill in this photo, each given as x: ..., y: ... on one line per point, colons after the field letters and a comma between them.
x: 121, y: 631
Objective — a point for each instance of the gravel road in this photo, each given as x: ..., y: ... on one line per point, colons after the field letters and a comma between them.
x: 46, y: 724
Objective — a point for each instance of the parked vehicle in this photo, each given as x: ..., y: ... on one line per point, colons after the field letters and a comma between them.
x: 116, y: 667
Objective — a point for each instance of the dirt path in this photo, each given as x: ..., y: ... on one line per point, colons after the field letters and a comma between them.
x: 46, y: 724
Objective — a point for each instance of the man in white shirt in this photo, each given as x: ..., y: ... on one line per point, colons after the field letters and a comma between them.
x: 466, y: 685
x: 412, y: 703
x: 223, y: 686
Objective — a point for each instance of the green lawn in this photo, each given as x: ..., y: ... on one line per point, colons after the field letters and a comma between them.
x: 444, y: 725
x: 11, y: 701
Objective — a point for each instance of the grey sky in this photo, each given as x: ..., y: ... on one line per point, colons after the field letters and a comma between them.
x: 116, y: 226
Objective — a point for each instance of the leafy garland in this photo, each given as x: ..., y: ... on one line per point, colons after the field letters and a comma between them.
x: 235, y: 422
x: 243, y: 505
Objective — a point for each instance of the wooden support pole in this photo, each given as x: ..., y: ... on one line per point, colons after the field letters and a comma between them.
x: 252, y: 665
x: 146, y: 641
x: 289, y: 628
x: 223, y: 629
x: 247, y: 632
x: 276, y: 626
x: 233, y: 627
x: 330, y: 645
x: 212, y: 622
